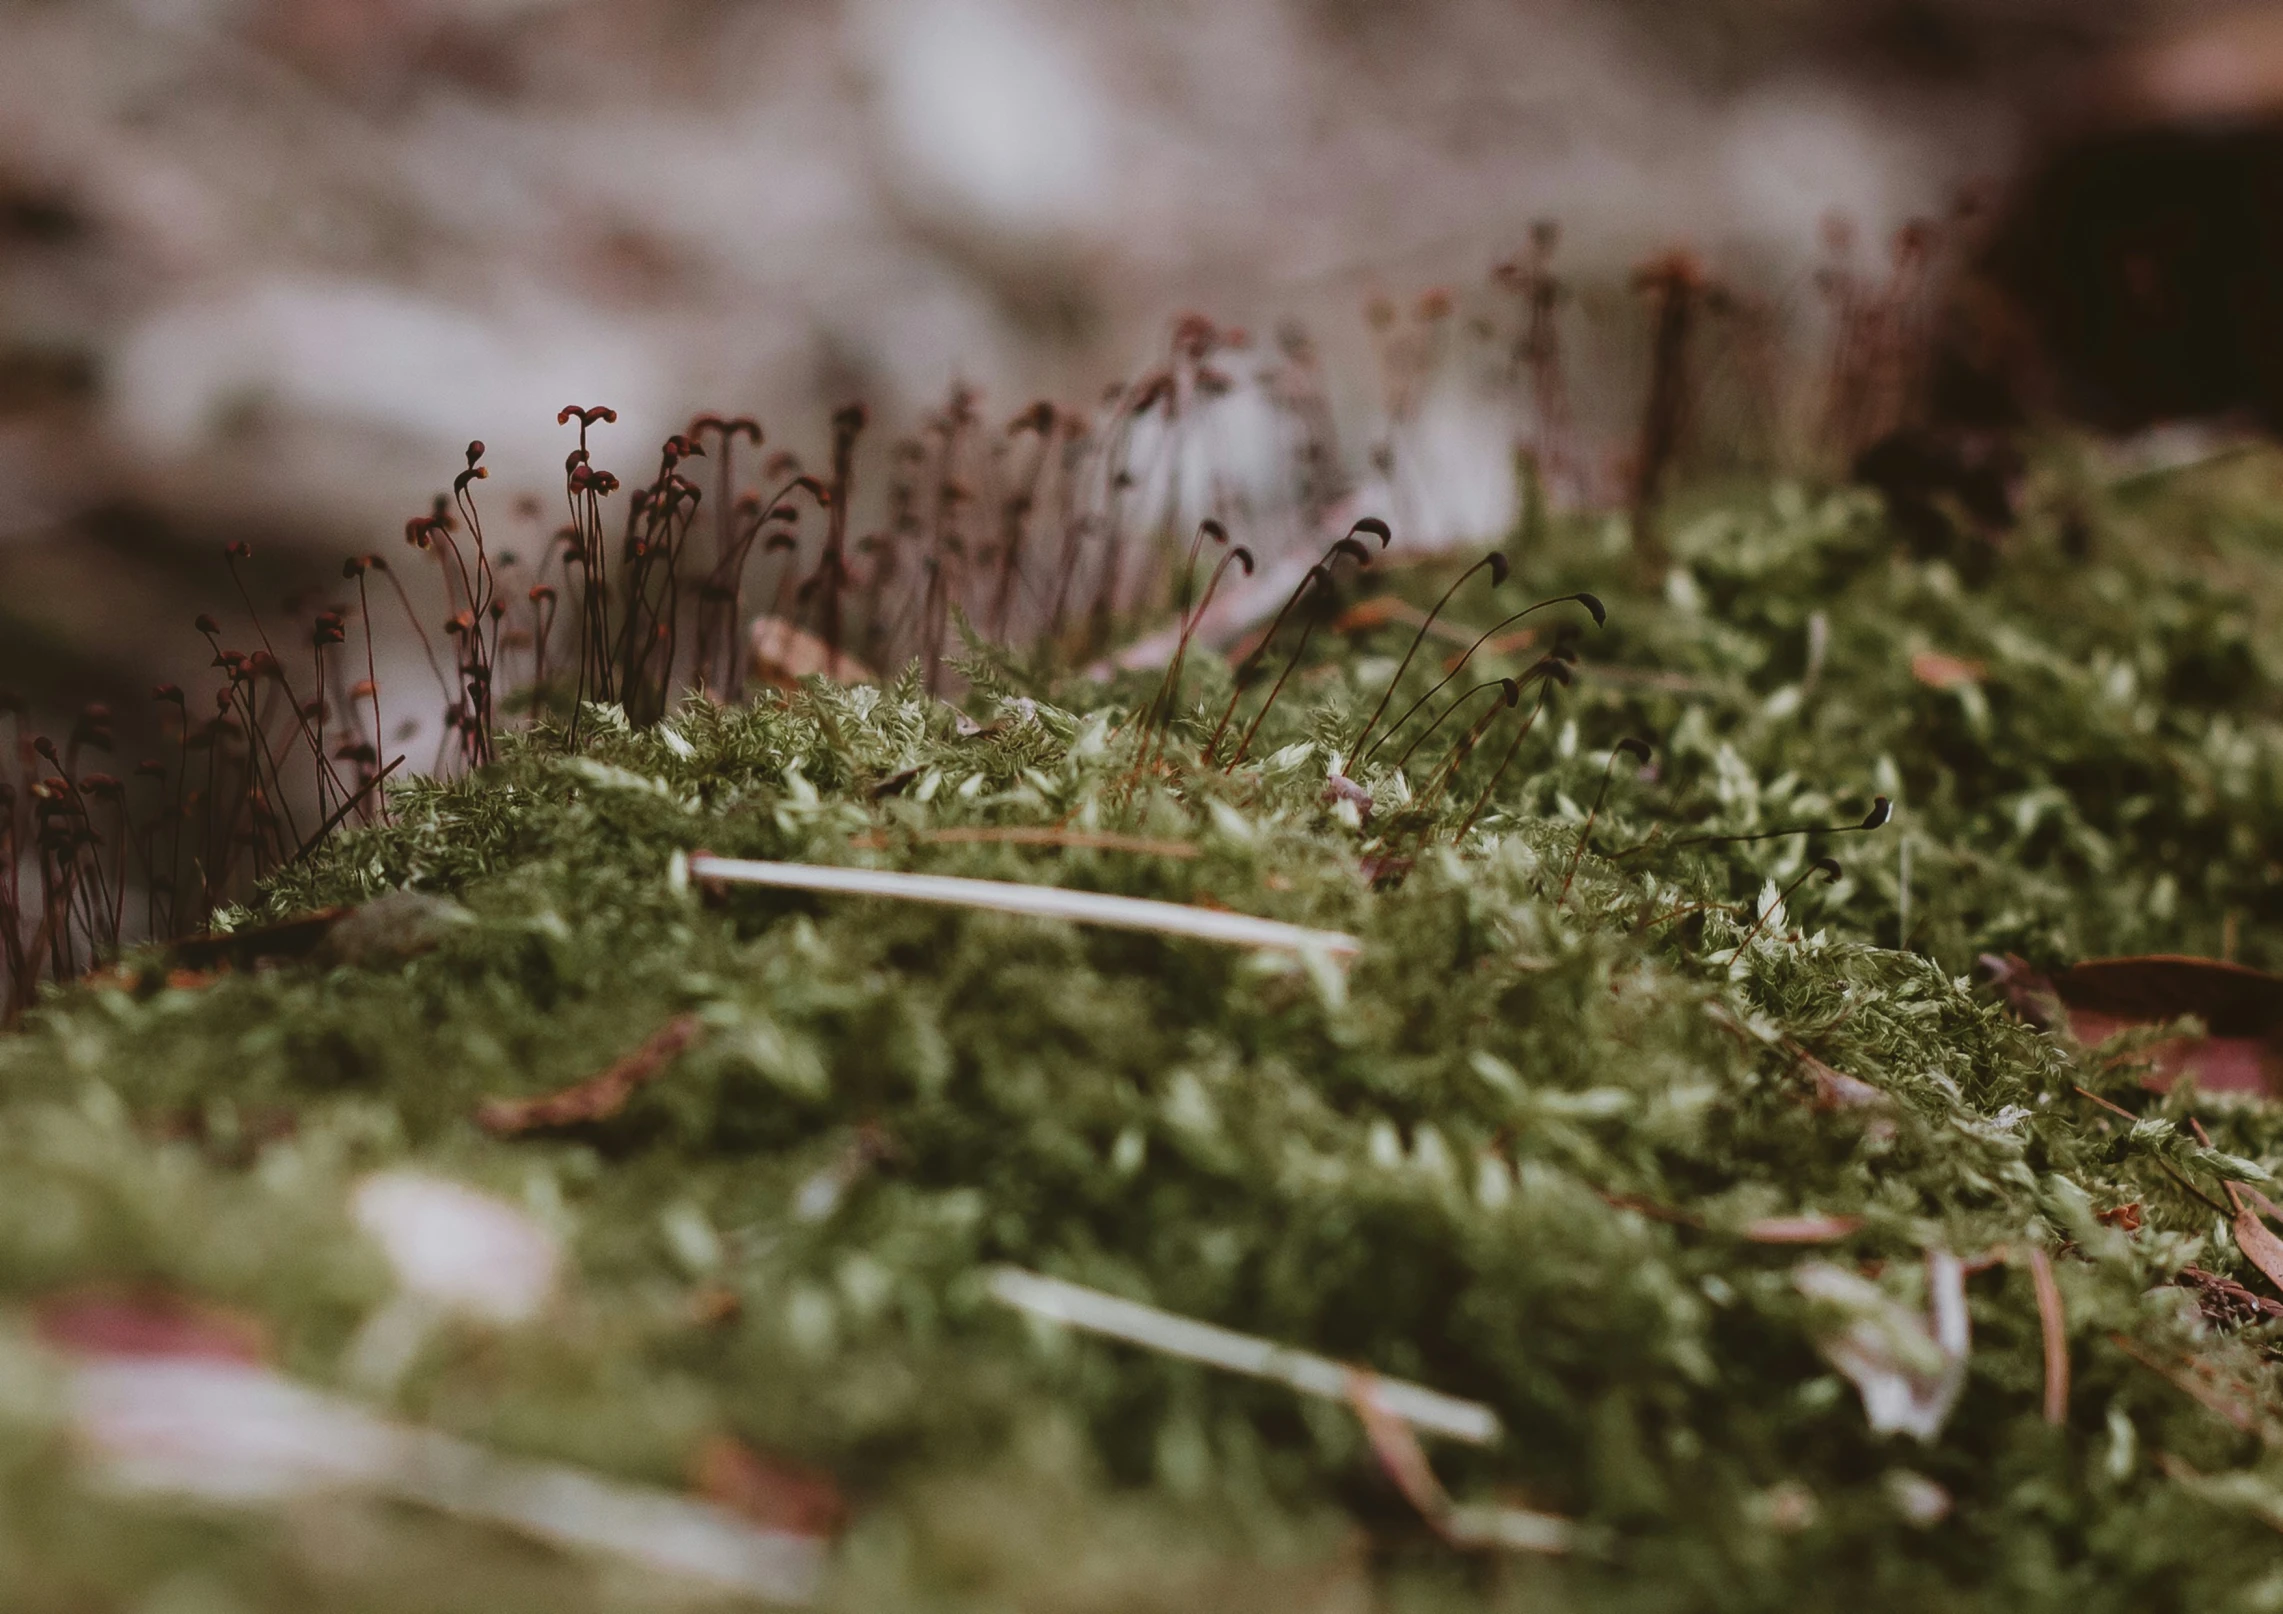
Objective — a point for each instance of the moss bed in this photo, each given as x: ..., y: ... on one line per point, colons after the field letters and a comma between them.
x: 1525, y: 1149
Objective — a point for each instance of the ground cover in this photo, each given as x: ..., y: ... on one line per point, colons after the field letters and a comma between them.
x: 1798, y: 1269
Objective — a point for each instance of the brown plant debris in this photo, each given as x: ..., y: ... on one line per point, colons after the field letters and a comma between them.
x: 598, y: 1098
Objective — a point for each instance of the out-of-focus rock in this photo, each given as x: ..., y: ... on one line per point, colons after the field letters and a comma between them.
x: 2135, y: 274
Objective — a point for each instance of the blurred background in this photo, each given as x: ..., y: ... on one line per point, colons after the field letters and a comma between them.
x: 267, y: 265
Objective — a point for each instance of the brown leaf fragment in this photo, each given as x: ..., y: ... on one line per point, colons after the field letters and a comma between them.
x: 1835, y: 1089
x: 1383, y: 609
x: 2259, y: 1244
x: 1810, y: 1229
x: 2053, y: 1324
x: 2253, y: 1237
x: 714, y: 1305
x: 769, y: 1491
x: 2124, y: 1218
x: 2241, y: 1008
x: 2028, y: 992
x: 2231, y: 999
x: 1938, y: 671
x: 598, y: 1098
x: 1506, y: 644
x: 1377, y: 612
x: 148, y: 1322
x: 2242, y: 1011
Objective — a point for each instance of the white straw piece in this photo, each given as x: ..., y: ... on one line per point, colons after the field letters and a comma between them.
x: 1041, y: 901
x: 1097, y: 1313
x: 245, y: 1436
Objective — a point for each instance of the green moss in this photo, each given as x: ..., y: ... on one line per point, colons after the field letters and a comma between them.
x: 1436, y: 1166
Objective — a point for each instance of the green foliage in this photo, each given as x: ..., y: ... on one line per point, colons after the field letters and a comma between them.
x: 1516, y: 1152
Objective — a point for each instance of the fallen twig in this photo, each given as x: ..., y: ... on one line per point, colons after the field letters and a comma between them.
x: 1036, y: 835
x: 1041, y: 901
x: 598, y: 1098
x: 2054, y: 1325
x: 1137, y: 1324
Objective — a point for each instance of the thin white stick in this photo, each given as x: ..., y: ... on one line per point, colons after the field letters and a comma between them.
x: 1043, y: 901
x: 1098, y: 1313
x: 1902, y: 892
x: 242, y: 1435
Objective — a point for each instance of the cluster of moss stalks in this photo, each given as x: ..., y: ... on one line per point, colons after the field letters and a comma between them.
x: 1516, y: 1151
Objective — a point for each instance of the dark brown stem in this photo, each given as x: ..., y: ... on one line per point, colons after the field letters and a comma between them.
x: 1554, y: 674
x: 1497, y: 566
x: 1592, y: 603
x: 1639, y: 751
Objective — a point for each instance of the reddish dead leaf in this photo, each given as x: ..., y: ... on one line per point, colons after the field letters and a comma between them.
x: 773, y: 1493
x: 115, y: 1322
x: 599, y: 1097
x: 2242, y: 1012
x: 2258, y: 1243
x: 2124, y: 1218
x: 1504, y: 645
x: 2028, y: 992
x: 1938, y: 671
x: 712, y: 1306
x: 2054, y: 1326
x: 1382, y: 609
x: 783, y: 654
x: 1800, y: 1229
x: 2231, y: 999
x: 1377, y: 612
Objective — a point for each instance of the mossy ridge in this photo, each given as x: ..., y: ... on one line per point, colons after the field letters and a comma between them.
x: 1437, y: 1169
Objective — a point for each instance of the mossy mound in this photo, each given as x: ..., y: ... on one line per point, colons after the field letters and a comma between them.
x: 1526, y: 1149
